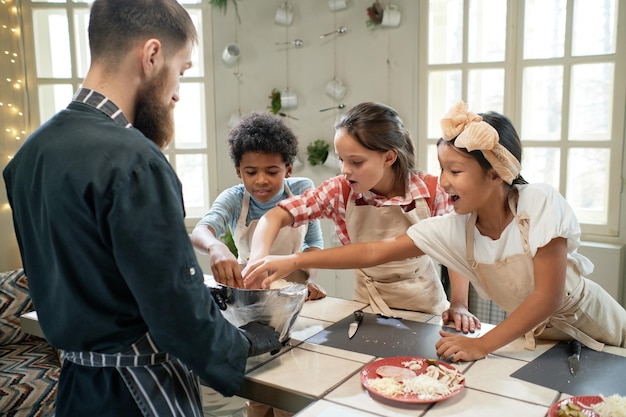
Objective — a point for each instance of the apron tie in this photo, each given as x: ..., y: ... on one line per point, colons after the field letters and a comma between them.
x: 376, y: 300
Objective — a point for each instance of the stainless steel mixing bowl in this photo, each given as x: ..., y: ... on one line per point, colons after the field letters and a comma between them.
x: 277, y: 307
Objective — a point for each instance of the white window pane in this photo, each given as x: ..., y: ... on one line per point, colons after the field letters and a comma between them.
x: 591, y: 102
x: 544, y: 28
x: 432, y: 163
x: 485, y: 90
x: 594, y: 27
x: 445, y: 31
x: 53, y: 98
x: 81, y: 40
x: 541, y: 165
x: 444, y: 90
x: 52, y: 43
x: 542, y: 92
x: 588, y: 183
x: 189, y: 117
x: 197, y: 56
x: 193, y: 173
x: 487, y: 30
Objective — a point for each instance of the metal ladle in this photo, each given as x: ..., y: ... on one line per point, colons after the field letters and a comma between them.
x: 297, y: 43
x: 339, y: 106
x: 342, y: 29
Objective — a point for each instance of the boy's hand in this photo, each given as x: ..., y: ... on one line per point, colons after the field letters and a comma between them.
x: 225, y: 268
x: 315, y: 292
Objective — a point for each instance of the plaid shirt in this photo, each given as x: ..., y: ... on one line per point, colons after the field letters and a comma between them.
x: 329, y: 200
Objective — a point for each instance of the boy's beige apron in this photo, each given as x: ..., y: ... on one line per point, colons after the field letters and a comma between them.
x: 289, y: 239
x: 587, y: 314
x: 411, y: 284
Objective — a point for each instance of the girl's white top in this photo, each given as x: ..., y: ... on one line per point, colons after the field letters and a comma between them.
x: 443, y: 237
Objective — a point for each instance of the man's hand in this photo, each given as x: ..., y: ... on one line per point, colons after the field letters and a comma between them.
x: 262, y: 338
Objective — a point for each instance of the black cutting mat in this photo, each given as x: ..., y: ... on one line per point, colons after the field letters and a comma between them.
x: 383, y: 337
x: 599, y: 372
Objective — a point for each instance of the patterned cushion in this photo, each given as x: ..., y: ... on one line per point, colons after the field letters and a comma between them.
x: 14, y: 301
x: 29, y: 366
x: 29, y: 373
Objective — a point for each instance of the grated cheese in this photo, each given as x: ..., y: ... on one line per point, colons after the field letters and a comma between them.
x: 426, y: 387
x: 436, y: 382
x: 611, y: 406
x: 386, y: 386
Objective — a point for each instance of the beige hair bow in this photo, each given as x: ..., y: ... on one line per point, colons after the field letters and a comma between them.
x: 472, y: 133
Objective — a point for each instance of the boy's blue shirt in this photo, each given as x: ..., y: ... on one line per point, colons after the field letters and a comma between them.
x: 226, y: 209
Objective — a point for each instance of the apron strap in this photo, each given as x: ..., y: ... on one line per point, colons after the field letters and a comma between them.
x: 116, y: 360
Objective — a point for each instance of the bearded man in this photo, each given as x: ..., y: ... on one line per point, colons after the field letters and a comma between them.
x: 99, y: 218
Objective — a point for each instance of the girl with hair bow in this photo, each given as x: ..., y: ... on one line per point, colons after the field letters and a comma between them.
x: 516, y: 242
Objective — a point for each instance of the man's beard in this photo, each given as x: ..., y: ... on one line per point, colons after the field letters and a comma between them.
x: 153, y: 118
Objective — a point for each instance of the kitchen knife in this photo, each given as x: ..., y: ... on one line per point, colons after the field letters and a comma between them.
x: 574, y: 356
x: 358, y: 318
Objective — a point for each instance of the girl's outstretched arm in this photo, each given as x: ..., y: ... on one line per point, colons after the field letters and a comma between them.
x: 356, y: 255
x: 550, y: 265
x: 266, y: 231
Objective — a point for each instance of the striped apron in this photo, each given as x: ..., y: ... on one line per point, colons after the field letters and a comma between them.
x: 160, y: 384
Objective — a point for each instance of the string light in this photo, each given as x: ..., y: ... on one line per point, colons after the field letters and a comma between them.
x: 12, y: 82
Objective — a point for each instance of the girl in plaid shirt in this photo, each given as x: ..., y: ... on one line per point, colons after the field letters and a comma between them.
x: 378, y: 195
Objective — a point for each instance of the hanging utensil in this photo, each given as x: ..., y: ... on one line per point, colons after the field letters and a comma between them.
x: 339, y: 106
x: 340, y: 30
x: 297, y: 43
x: 286, y: 115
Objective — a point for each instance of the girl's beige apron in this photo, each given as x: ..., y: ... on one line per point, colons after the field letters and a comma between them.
x: 289, y: 239
x: 411, y: 284
x: 587, y: 314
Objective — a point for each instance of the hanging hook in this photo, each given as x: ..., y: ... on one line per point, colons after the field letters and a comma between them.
x: 339, y: 106
x: 297, y: 43
x: 341, y: 30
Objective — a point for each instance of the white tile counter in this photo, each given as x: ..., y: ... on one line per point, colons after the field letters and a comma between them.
x: 322, y: 381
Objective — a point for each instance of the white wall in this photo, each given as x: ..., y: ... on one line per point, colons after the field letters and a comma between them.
x: 376, y: 65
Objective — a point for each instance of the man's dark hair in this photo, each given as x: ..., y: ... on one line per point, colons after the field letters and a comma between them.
x: 115, y: 26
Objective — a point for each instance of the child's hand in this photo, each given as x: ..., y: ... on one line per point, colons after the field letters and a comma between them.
x: 315, y: 292
x: 461, y: 348
x: 225, y: 268
x: 255, y: 274
x: 462, y: 318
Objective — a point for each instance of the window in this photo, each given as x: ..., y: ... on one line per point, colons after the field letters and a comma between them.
x: 555, y: 68
x: 55, y: 33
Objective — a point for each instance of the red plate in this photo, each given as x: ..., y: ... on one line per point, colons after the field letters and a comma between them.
x: 581, y: 402
x: 369, y: 372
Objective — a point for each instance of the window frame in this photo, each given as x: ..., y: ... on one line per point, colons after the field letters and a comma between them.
x: 514, y: 65
x: 33, y: 82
